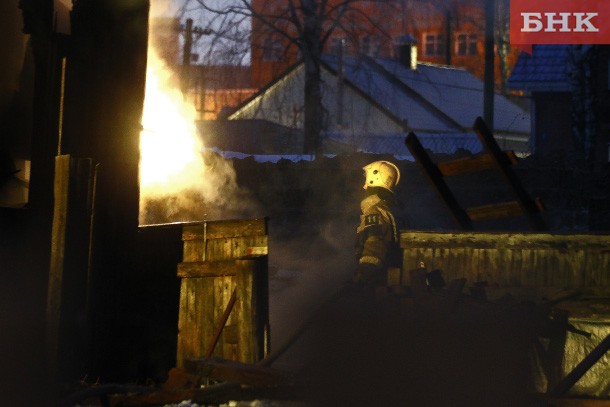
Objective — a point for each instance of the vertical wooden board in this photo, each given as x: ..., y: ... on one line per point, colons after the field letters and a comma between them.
x: 212, y: 251
x: 245, y: 299
x: 590, y: 258
x: 493, y: 265
x: 207, y: 302
x: 410, y: 262
x: 528, y: 268
x: 604, y: 267
x: 462, y: 263
x: 467, y: 271
x: 541, y: 274
x: 569, y: 280
x: 191, y: 251
x: 443, y: 254
x: 451, y: 265
x: 483, y: 265
x: 487, y: 264
x: 261, y: 307
x: 505, y: 259
x: 188, y: 320
x: 517, y: 271
x: 576, y: 258
x: 182, y: 325
x: 220, y: 302
x: 555, y: 277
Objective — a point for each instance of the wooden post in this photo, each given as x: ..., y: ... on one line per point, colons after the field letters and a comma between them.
x: 67, y: 336
x: 56, y: 268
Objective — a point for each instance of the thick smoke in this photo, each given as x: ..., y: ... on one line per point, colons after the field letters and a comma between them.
x: 180, y: 181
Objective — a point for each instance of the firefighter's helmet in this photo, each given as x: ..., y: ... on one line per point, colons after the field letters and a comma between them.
x: 382, y: 174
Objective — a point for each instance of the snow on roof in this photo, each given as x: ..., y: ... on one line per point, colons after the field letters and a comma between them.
x: 399, y: 100
x: 443, y: 98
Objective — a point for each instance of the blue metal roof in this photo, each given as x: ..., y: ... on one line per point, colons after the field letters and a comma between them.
x: 543, y: 70
x: 432, y: 97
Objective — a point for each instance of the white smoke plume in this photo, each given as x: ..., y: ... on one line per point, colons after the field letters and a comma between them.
x: 179, y: 180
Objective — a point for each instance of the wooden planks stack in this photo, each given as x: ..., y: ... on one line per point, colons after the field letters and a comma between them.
x: 224, y: 304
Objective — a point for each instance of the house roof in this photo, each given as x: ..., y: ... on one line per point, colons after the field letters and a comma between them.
x: 544, y: 70
x: 433, y: 98
x: 439, y: 103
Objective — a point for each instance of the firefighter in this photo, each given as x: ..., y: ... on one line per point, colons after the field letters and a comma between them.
x: 377, y: 234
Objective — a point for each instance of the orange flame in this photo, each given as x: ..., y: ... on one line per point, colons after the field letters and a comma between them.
x: 170, y: 149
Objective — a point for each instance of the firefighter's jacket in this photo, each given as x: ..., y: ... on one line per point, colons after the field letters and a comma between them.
x: 377, y: 234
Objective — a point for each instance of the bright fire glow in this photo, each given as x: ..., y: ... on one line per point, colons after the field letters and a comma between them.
x: 170, y: 148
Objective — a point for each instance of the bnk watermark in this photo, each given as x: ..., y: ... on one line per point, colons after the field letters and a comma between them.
x: 559, y: 22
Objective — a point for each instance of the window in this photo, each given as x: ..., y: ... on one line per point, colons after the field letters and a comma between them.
x: 272, y: 49
x: 369, y: 45
x: 433, y: 44
x: 338, y: 45
x: 466, y: 44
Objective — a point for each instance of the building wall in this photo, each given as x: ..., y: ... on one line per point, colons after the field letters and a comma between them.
x: 422, y: 19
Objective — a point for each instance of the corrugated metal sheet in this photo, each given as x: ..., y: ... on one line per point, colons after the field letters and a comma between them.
x: 442, y: 91
x: 404, y: 104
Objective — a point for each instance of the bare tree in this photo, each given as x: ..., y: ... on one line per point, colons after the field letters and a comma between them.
x: 302, y: 25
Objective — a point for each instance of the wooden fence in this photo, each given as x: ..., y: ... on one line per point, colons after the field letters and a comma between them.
x: 511, y: 259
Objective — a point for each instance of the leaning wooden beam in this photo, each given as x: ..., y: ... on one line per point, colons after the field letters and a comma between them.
x: 435, y: 176
x: 583, y: 367
x: 472, y: 164
x: 495, y: 211
x: 529, y: 207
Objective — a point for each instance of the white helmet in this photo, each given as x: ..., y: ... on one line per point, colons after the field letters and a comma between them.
x: 381, y: 174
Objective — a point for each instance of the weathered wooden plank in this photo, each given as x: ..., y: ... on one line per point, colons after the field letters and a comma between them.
x: 559, y: 241
x: 225, y: 229
x: 219, y: 268
x: 210, y: 292
x: 56, y: 267
x: 252, y: 283
x: 495, y: 211
x: 220, y: 325
x: 472, y: 164
x: 225, y: 248
x: 517, y: 259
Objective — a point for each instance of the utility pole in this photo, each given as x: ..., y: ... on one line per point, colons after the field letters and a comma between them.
x: 189, y: 32
x: 489, y: 80
x: 449, y: 36
x: 186, y: 56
